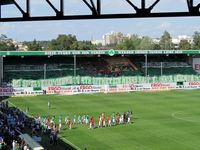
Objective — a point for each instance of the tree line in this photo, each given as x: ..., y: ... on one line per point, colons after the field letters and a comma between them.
x: 62, y: 42
x: 70, y: 42
x: 6, y: 44
x: 165, y: 43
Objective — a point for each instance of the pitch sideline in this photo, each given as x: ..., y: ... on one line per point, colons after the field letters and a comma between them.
x: 70, y: 143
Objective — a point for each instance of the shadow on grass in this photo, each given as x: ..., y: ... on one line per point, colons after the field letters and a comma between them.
x: 60, y: 145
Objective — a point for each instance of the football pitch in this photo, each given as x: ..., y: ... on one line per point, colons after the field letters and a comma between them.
x: 162, y: 120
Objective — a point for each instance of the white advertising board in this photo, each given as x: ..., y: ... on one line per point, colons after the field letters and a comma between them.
x: 196, y: 64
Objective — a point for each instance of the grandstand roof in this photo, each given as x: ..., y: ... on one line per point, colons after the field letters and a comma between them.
x: 96, y: 52
x: 6, y: 2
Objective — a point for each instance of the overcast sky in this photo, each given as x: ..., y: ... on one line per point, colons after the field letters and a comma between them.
x: 94, y: 29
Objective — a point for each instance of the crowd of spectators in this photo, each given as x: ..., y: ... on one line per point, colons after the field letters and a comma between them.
x: 12, y: 123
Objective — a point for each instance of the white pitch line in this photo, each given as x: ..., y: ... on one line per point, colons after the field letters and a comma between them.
x: 16, y: 106
x: 19, y: 109
x: 73, y: 145
x: 12, y: 104
x: 179, y: 112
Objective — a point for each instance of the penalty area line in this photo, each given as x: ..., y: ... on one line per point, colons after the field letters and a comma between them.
x: 174, y: 115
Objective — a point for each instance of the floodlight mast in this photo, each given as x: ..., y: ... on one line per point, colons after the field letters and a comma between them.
x: 95, y: 7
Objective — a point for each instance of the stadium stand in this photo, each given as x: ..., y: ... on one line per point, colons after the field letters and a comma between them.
x: 12, y: 123
x: 43, y: 67
x: 168, y: 68
x: 115, y: 66
x: 122, y: 66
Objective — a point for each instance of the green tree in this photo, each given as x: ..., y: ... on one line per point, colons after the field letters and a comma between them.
x: 34, y: 46
x: 184, y: 44
x: 64, y: 42
x: 125, y: 44
x: 131, y: 43
x: 86, y: 45
x: 156, y: 46
x: 196, y: 40
x: 6, y: 44
x: 74, y: 46
x: 166, y: 41
x: 146, y: 43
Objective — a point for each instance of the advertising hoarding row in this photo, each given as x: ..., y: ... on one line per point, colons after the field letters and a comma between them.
x: 87, y: 89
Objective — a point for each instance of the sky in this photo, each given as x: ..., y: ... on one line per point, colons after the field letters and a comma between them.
x: 94, y: 29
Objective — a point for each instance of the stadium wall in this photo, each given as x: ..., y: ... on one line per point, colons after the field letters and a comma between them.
x: 88, y: 89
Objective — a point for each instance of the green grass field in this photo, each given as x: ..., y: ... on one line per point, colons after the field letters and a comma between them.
x: 164, y: 120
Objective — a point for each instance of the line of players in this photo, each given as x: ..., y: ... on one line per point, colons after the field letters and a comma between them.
x: 115, y: 119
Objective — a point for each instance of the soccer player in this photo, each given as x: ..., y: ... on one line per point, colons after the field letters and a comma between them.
x: 83, y: 119
x: 49, y: 104
x: 103, y: 120
x: 87, y: 119
x: 27, y: 110
x: 66, y: 119
x: 113, y: 119
x: 59, y: 122
x: 108, y: 121
x: 69, y: 124
x: 129, y: 118
x: 100, y: 121
x: 79, y: 119
x: 91, y: 123
x: 117, y: 118
x: 52, y: 119
x: 74, y: 119
x: 122, y: 119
